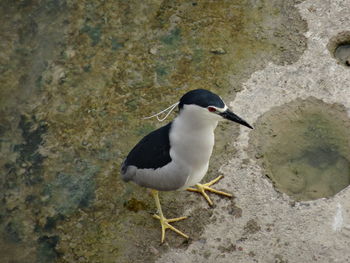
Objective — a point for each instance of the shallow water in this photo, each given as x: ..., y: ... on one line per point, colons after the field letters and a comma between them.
x: 342, y: 53
x: 304, y: 147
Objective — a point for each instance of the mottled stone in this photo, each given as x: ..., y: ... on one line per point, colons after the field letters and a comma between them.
x: 77, y: 79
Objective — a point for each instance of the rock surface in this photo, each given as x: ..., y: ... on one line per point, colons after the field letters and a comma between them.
x: 78, y: 76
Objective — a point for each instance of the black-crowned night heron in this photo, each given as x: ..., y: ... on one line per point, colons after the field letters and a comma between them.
x: 176, y: 156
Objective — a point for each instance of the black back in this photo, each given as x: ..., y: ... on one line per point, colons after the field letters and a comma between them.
x: 152, y: 151
x: 202, y: 98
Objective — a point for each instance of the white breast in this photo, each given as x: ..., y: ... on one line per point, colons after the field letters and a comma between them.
x: 192, y: 140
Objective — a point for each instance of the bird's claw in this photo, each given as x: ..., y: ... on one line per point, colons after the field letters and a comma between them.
x: 165, y: 224
x: 201, y: 188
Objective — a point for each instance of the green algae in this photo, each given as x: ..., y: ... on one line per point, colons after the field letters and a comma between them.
x: 95, y: 34
x: 85, y: 74
x: 173, y: 38
x: 304, y: 147
x: 116, y: 44
x: 67, y: 192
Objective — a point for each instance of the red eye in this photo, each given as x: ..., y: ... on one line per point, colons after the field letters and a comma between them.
x: 211, y: 109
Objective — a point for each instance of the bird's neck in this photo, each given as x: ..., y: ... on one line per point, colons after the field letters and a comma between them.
x: 192, y: 141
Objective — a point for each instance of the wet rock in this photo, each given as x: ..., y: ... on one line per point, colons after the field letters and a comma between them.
x: 12, y: 232
x: 69, y: 192
x: 252, y: 227
x: 135, y: 205
x: 218, y: 51
x: 47, y: 249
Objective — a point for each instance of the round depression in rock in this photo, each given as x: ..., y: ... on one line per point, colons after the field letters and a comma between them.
x: 339, y: 47
x: 304, y: 148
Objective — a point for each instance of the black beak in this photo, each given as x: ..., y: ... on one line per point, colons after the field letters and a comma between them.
x: 228, y: 114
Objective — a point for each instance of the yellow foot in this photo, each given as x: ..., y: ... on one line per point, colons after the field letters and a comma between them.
x: 165, y: 224
x: 201, y: 188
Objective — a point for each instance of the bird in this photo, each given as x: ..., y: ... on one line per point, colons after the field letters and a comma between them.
x: 176, y: 156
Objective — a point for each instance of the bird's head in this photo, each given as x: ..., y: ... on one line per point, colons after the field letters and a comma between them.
x: 202, y: 103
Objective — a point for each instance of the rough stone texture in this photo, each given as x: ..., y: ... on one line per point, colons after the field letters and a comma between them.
x: 76, y: 78
x: 314, y: 231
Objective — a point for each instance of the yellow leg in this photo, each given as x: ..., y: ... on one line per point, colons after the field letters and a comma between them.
x: 165, y: 222
x: 201, y: 188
